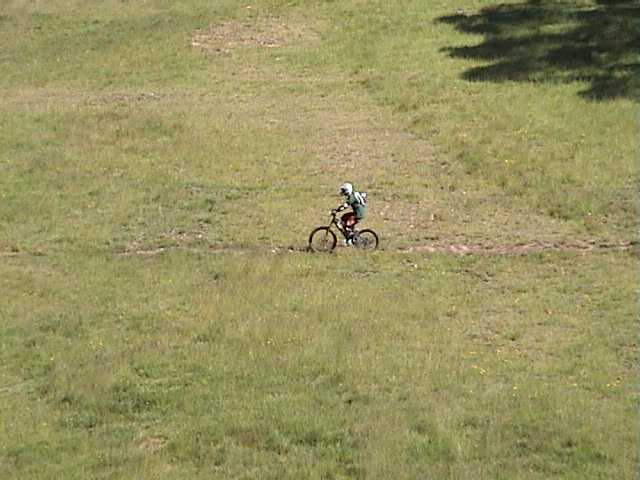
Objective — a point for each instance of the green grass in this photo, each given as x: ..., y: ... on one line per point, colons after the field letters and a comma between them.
x: 534, y: 136
x: 461, y: 367
x: 158, y: 159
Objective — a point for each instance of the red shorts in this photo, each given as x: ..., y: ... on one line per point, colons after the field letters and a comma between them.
x: 349, y: 219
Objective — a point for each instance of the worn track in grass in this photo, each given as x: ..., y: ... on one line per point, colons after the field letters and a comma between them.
x: 446, y: 248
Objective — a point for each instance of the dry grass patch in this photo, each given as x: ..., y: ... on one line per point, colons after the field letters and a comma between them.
x: 264, y: 32
x: 152, y: 444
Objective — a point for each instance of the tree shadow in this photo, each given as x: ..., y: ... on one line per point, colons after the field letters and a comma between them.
x: 557, y: 41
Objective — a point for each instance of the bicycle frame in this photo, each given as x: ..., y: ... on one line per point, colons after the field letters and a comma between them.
x: 353, y: 237
x: 338, y: 224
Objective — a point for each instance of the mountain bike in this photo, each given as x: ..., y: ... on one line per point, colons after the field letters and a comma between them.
x: 323, y: 239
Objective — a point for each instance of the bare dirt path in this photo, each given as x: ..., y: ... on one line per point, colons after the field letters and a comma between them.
x: 436, y: 247
x: 446, y: 248
x: 524, y: 248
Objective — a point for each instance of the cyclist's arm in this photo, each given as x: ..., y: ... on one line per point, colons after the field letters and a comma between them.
x: 341, y: 207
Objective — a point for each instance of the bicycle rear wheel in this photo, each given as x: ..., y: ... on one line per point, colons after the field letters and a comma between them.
x: 366, y: 240
x: 322, y: 239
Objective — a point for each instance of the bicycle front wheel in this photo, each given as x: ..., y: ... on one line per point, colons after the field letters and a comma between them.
x: 322, y: 239
x: 366, y: 240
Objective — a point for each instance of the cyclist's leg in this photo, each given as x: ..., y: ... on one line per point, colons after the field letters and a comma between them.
x: 348, y: 222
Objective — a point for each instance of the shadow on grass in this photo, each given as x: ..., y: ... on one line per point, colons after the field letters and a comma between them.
x: 596, y: 42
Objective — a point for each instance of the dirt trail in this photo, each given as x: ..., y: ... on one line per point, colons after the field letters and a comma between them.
x: 524, y: 248
x: 447, y: 248
x: 459, y: 249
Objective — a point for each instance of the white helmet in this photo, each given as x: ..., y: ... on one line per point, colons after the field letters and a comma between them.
x: 346, y: 189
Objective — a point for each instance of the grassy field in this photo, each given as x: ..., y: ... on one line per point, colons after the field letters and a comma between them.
x: 163, y: 162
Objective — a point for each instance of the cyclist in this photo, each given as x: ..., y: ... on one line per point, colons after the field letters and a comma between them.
x: 357, y: 202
